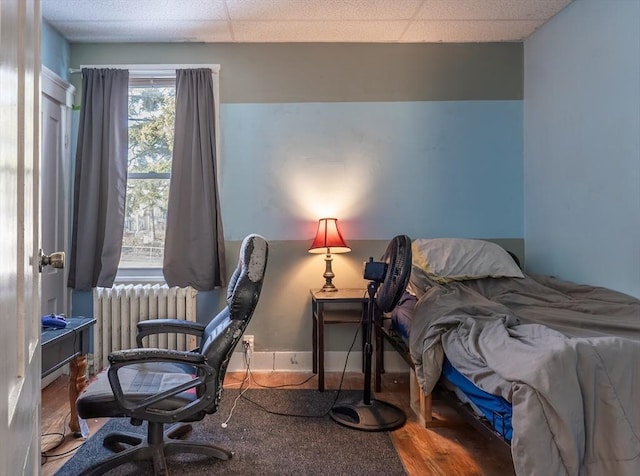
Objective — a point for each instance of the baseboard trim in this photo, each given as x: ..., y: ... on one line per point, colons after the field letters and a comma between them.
x: 302, y: 362
x: 53, y: 376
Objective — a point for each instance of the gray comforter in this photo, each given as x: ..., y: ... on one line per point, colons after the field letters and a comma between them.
x: 566, y: 356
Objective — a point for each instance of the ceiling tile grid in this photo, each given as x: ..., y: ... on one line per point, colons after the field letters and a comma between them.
x: 272, y: 21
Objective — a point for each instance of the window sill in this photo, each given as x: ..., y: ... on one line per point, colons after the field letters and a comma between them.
x: 139, y: 276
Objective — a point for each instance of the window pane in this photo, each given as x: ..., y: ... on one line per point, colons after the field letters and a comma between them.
x: 145, y: 221
x: 151, y: 120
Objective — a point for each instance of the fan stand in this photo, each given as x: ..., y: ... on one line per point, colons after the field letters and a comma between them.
x: 368, y: 414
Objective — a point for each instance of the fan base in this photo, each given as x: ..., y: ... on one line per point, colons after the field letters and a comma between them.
x: 374, y: 416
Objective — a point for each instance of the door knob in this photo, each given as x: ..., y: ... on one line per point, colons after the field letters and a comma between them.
x: 55, y: 260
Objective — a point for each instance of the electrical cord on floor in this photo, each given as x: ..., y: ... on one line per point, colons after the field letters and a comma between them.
x: 284, y: 385
x: 246, y: 355
x: 325, y: 413
x: 46, y: 455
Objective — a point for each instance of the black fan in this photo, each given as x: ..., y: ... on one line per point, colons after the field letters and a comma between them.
x: 388, y: 280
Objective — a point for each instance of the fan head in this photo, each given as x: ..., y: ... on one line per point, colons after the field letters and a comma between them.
x: 393, y: 272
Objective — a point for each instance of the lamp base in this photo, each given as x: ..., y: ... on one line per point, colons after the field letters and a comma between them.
x: 374, y: 416
x: 328, y: 288
x: 328, y: 275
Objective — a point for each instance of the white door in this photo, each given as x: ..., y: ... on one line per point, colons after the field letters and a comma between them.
x: 54, y: 160
x: 19, y: 205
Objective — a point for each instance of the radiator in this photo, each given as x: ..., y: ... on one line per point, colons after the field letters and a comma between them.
x: 118, y: 310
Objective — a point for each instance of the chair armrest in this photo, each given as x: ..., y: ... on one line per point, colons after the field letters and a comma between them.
x: 164, y: 326
x: 144, y: 409
x: 133, y: 356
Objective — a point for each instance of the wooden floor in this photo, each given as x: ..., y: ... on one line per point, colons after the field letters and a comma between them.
x: 452, y: 449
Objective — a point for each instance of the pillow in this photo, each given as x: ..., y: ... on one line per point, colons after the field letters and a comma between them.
x: 457, y: 259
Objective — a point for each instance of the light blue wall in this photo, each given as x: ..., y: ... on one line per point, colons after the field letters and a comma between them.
x: 440, y: 155
x: 55, y: 51
x: 430, y: 168
x: 425, y: 168
x: 430, y: 145
x: 582, y: 145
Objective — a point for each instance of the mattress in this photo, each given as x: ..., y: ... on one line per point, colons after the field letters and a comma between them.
x: 494, y: 408
x: 565, y: 355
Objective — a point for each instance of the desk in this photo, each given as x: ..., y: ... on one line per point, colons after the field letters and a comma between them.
x: 319, y: 299
x: 69, y: 345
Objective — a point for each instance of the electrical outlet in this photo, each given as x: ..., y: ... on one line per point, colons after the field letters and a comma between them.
x: 247, y: 341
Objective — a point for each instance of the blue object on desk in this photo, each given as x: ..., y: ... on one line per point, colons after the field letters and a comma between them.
x: 53, y: 320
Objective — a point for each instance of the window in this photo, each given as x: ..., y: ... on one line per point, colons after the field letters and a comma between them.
x: 151, y: 118
x: 151, y: 122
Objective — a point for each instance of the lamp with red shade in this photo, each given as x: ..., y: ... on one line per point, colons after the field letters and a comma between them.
x: 328, y: 240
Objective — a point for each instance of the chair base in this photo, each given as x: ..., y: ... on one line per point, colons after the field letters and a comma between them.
x: 156, y: 446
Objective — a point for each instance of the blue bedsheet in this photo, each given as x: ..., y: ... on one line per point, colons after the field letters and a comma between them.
x: 495, y: 408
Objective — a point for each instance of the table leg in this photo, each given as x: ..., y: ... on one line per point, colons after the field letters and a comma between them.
x: 320, y: 347
x: 77, y: 382
x: 363, y: 331
x: 314, y: 337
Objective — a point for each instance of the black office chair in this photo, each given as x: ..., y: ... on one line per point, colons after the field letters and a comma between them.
x: 170, y: 386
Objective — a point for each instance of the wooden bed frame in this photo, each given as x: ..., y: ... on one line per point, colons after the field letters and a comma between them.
x: 421, y: 403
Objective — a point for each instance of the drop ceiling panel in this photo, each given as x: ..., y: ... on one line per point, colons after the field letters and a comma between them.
x: 315, y: 31
x: 467, y: 31
x: 407, y: 21
x: 128, y: 11
x: 489, y: 9
x: 332, y: 10
x: 147, y: 31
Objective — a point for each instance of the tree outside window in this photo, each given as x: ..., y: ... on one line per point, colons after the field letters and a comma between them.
x: 151, y: 123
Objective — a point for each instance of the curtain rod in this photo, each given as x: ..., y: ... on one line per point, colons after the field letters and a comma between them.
x: 148, y: 68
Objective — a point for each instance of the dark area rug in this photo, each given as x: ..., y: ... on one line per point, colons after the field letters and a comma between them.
x: 264, y: 443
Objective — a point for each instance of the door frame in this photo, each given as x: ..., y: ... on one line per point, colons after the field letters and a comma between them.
x: 61, y: 92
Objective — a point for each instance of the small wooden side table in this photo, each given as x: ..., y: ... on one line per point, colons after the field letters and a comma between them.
x: 69, y: 345
x: 322, y: 316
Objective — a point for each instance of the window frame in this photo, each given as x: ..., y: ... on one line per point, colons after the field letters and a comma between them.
x: 163, y: 72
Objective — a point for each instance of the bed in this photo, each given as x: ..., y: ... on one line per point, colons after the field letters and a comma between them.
x: 550, y: 366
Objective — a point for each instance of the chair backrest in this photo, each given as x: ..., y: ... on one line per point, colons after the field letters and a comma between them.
x: 225, y: 330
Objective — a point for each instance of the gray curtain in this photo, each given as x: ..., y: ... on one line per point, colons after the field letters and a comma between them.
x: 100, y: 179
x: 194, y: 242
